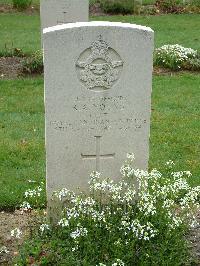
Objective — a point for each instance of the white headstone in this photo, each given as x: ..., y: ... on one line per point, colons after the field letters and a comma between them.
x: 98, y: 78
x: 55, y: 12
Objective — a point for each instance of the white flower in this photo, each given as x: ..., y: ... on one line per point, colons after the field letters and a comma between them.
x: 80, y: 231
x: 188, y: 173
x: 33, y: 193
x: 129, y: 195
x: 75, y: 248
x: 175, y: 222
x: 72, y: 213
x: 126, y: 170
x: 130, y: 156
x: 16, y: 233
x: 190, y: 198
x: 176, y: 54
x: 44, y: 227
x: 63, y: 222
x: 168, y: 203
x: 145, y: 231
x: 170, y: 163
x: 4, y: 249
x: 31, y: 181
x: 155, y: 174
x: 94, y: 176
x: 194, y: 223
x: 25, y: 207
x: 118, y: 242
x: 118, y: 263
x: 63, y: 193
x: 146, y: 203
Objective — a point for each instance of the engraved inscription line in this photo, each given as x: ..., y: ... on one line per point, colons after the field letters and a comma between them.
x: 98, y: 156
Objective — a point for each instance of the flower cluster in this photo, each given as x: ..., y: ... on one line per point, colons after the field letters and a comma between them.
x: 16, y: 233
x: 34, y: 197
x: 119, y: 222
x: 117, y: 262
x: 63, y: 193
x: 25, y: 207
x: 4, y: 249
x: 63, y: 222
x: 144, y: 232
x: 33, y: 193
x: 44, y: 227
x: 139, y: 207
x: 175, y: 57
x: 80, y: 231
x: 170, y: 163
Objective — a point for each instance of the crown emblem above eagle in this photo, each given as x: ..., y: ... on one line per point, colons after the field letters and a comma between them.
x: 99, y: 71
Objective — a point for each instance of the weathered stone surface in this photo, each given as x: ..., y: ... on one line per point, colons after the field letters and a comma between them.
x: 98, y: 79
x: 54, y: 12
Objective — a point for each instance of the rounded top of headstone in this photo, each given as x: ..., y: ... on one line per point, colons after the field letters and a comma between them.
x: 96, y: 24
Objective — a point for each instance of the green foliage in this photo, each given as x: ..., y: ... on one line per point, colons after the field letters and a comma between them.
x: 177, y: 57
x: 92, y: 2
x: 193, y: 3
x: 117, y: 6
x: 34, y: 198
x: 55, y: 249
x: 11, y: 51
x: 34, y: 63
x: 170, y: 6
x: 21, y: 4
x: 117, y: 224
x: 193, y: 64
x: 192, y: 6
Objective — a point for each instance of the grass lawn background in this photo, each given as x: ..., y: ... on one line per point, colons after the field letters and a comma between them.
x: 175, y: 102
x: 174, y: 131
x: 23, y: 31
x: 37, y: 2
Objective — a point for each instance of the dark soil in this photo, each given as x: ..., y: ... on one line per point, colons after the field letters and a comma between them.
x: 168, y: 72
x: 194, y: 238
x: 5, y: 8
x: 8, y: 222
x: 95, y: 10
x: 10, y: 67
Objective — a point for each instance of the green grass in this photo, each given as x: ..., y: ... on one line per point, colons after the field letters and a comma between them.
x: 21, y: 138
x: 148, y: 2
x: 23, y: 31
x: 20, y: 31
x: 9, y: 2
x: 176, y: 123
x: 37, y: 2
x: 174, y: 131
x: 169, y: 29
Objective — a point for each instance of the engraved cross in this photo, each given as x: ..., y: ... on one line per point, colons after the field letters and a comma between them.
x: 98, y: 156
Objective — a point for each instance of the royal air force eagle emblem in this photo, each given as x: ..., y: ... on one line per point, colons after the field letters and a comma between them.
x: 99, y: 67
